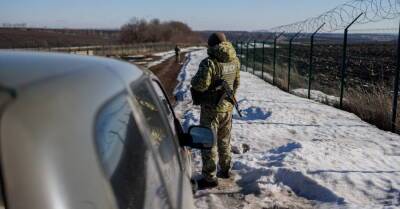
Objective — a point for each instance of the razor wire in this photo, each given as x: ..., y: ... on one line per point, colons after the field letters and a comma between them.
x: 340, y: 16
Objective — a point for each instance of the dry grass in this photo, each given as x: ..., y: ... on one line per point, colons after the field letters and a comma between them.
x: 373, y: 106
x: 281, y: 79
x: 296, y: 80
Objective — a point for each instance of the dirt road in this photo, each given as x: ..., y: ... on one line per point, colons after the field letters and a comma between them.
x: 167, y: 72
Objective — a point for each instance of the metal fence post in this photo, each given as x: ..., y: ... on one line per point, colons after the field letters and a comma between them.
x: 290, y: 59
x: 254, y: 56
x: 274, y: 59
x: 241, y: 55
x: 262, y: 60
x: 344, y: 61
x: 235, y: 46
x: 396, y: 85
x: 247, y: 55
x: 310, y: 70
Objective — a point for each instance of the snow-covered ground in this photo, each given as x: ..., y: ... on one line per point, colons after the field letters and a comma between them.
x: 257, y: 46
x: 318, y: 96
x: 302, y: 153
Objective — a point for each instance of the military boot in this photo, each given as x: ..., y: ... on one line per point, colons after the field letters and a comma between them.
x: 207, y: 183
x: 224, y: 174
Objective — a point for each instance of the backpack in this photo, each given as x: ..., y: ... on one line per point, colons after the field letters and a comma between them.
x: 212, y: 95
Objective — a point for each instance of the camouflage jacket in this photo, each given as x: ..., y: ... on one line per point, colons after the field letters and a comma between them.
x: 222, y: 63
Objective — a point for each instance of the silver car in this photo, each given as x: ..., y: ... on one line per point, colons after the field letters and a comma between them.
x: 80, y: 132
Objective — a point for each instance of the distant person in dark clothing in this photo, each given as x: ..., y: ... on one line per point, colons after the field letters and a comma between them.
x: 177, y: 53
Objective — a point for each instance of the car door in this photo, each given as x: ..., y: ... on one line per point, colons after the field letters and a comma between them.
x: 163, y: 142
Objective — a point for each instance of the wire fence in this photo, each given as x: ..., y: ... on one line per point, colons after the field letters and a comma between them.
x: 338, y: 18
x: 357, y: 70
x: 359, y: 75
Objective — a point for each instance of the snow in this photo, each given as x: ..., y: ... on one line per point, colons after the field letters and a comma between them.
x: 259, y: 73
x: 168, y: 54
x: 318, y: 96
x: 257, y: 46
x: 302, y: 153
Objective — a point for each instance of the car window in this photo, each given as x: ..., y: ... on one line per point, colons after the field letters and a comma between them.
x: 168, y: 109
x: 156, y: 121
x: 161, y: 136
x: 125, y: 158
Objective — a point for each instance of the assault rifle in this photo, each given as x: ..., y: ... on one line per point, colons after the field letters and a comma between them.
x: 228, y: 94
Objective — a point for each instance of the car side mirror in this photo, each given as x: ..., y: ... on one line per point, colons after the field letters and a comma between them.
x: 200, y: 137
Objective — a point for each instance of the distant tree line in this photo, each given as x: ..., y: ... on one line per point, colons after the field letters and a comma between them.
x: 144, y: 31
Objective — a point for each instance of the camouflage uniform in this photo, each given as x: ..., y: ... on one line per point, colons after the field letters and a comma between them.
x: 221, y: 63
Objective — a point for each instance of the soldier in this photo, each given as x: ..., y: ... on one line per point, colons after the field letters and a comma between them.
x: 177, y: 53
x: 221, y: 63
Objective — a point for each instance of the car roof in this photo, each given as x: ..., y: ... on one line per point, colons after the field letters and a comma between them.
x: 46, y: 130
x: 19, y: 69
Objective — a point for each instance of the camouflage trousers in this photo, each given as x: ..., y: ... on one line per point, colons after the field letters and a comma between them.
x: 221, y: 123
